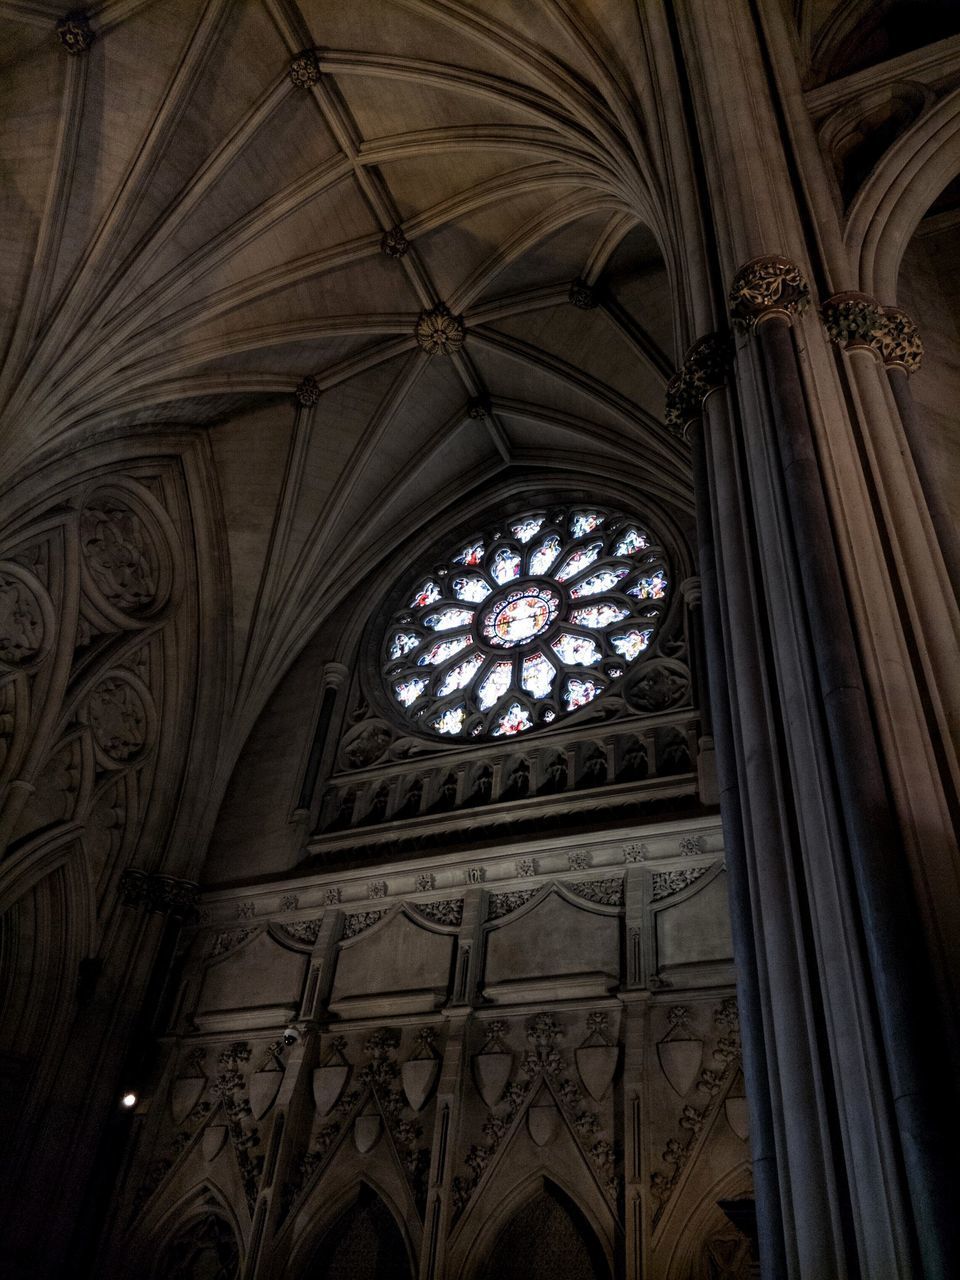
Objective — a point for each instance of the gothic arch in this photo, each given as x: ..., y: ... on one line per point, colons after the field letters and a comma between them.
x: 193, y: 1209
x: 898, y: 193
x: 684, y: 1260
x: 361, y: 1196
x: 524, y: 1199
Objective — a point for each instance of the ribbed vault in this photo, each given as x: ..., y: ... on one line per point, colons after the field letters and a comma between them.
x: 198, y: 233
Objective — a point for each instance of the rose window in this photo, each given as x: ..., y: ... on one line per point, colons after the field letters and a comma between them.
x: 525, y: 623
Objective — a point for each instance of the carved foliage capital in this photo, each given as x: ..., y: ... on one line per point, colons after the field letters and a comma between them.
x: 899, y: 340
x: 704, y: 370
x: 857, y: 320
x: 765, y: 287
x: 439, y: 333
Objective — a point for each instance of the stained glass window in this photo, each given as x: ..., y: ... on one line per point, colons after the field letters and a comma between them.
x: 523, y: 624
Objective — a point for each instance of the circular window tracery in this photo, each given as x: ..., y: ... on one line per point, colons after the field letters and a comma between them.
x: 526, y: 623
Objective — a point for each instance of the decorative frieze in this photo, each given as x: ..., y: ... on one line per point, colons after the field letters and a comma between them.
x: 165, y: 895
x: 448, y: 911
x: 358, y: 921
x: 667, y: 883
x: 607, y: 893
x: 305, y: 931
x: 766, y: 287
x: 502, y: 904
x: 438, y: 332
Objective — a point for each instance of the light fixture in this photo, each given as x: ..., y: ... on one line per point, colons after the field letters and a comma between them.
x: 129, y: 1100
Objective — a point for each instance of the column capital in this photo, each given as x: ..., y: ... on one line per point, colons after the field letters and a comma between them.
x: 855, y: 320
x: 767, y: 287
x: 704, y: 369
x: 900, y: 343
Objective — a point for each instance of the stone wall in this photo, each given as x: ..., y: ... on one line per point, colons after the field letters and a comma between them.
x: 454, y: 1068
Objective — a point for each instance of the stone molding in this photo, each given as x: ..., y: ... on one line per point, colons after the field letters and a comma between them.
x: 765, y: 287
x: 158, y: 893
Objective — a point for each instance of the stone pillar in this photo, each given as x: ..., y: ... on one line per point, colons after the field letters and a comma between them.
x: 704, y: 371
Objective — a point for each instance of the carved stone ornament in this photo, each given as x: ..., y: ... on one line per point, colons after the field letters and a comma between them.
x: 607, y: 893
x: 394, y: 243
x: 418, y: 1074
x: 366, y: 1132
x: 597, y: 1057
x: 493, y: 1064
x: 667, y: 883
x: 660, y: 684
x: 438, y: 332
x: 478, y: 407
x: 448, y: 911
x: 365, y: 744
x: 502, y: 904
x: 358, y: 921
x: 214, y: 1136
x: 119, y: 555
x: 852, y: 319
x: 119, y: 720
x: 704, y: 370
x: 681, y: 1055
x: 330, y: 1079
x: 308, y: 392
x: 26, y: 618
x: 305, y: 69
x: 303, y: 931
x: 165, y: 895
x: 766, y: 287
x: 899, y: 340
x: 582, y: 295
x: 264, y: 1087
x: 543, y: 1122
x: 75, y: 33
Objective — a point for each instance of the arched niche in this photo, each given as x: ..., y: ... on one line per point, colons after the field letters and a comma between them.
x: 363, y: 1243
x: 546, y: 1236
x: 202, y: 1248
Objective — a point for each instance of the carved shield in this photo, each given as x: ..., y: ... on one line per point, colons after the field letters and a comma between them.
x: 596, y: 1064
x: 681, y: 1061
x: 328, y: 1084
x: 419, y: 1075
x: 543, y: 1121
x: 491, y: 1072
x: 264, y: 1087
x: 185, y: 1095
x: 214, y: 1136
x: 366, y: 1132
x: 738, y: 1117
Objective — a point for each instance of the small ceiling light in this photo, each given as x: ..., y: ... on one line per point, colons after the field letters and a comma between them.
x: 129, y: 1100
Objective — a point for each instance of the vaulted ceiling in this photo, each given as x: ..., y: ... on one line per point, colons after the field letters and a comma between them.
x: 196, y: 233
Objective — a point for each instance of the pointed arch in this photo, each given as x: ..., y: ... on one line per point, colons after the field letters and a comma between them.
x: 360, y: 1226
x: 541, y: 1232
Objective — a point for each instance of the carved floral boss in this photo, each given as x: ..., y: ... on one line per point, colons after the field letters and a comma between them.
x: 525, y: 622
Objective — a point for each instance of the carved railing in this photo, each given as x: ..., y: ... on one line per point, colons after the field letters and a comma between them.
x: 606, y: 765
